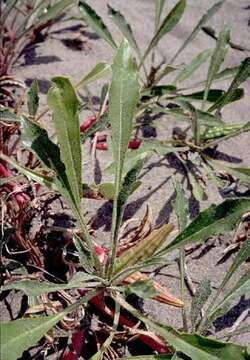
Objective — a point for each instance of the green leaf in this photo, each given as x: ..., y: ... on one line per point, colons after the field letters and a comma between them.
x: 242, y: 75
x: 188, y: 69
x: 212, y: 95
x: 56, y: 10
x: 95, y: 22
x: 217, y: 59
x: 199, y: 300
x: 221, y: 131
x: 120, y: 21
x: 213, y: 10
x: 158, y: 10
x: 149, y: 357
x: 8, y: 115
x: 229, y: 133
x: 84, y: 254
x: 241, y: 288
x: 241, y: 257
x: 99, y: 71
x: 210, y: 222
x: 36, y: 138
x: 142, y: 288
x: 195, y: 346
x: 19, y: 335
x: 64, y: 105
x: 33, y: 98
x: 206, y: 119
x: 211, y: 32
x: 36, y: 288
x: 123, y: 98
x: 41, y: 179
x: 197, y: 190
x: 167, y: 25
x: 180, y: 205
x: 159, y: 90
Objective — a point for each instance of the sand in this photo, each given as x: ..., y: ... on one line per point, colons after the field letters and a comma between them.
x: 57, y: 56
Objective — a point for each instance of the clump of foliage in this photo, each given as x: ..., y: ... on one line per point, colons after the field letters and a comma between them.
x: 21, y: 23
x: 100, y: 276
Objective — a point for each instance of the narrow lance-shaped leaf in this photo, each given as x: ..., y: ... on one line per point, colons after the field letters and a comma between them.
x: 19, y: 335
x: 189, y: 69
x: 8, y: 115
x: 241, y: 76
x: 37, y: 288
x: 197, y: 190
x: 55, y: 10
x: 33, y: 98
x: 242, y: 287
x: 64, y: 105
x: 99, y: 71
x: 129, y: 184
x: 120, y: 21
x: 241, y: 257
x: 123, y: 98
x: 36, y: 139
x: 210, y: 222
x: 217, y: 59
x: 150, y: 357
x: 167, y: 25
x: 95, y: 22
x: 199, y: 300
x: 194, y: 346
x: 180, y: 205
x: 213, y: 10
x: 158, y: 10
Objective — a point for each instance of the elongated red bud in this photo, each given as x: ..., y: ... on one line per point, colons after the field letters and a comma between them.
x: 87, y: 123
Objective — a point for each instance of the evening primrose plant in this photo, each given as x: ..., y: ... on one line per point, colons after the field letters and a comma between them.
x: 115, y: 272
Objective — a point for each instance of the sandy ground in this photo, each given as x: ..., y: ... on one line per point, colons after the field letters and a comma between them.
x: 57, y: 56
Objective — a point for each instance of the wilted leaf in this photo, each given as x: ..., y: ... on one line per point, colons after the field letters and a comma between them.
x: 144, y: 249
x: 95, y: 22
x: 210, y: 222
